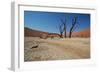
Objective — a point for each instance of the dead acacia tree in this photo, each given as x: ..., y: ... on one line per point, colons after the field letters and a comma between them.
x: 61, y: 31
x: 73, y: 26
x: 64, y: 26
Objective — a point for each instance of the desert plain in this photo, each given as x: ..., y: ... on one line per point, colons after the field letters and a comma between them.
x: 38, y: 49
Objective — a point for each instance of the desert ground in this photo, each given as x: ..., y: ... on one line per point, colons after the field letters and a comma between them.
x: 56, y: 49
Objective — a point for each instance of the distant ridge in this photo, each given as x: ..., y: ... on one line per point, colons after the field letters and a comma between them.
x: 36, y: 33
x: 28, y: 32
x: 82, y: 33
x: 33, y: 33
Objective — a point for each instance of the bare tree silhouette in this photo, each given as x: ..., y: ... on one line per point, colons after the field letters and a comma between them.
x: 61, y: 31
x: 64, y: 26
x: 73, y: 26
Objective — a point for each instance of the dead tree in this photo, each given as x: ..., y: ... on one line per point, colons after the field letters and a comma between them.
x: 73, y: 26
x: 64, y: 27
x: 61, y: 31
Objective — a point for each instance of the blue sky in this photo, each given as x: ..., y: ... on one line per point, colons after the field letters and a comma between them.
x: 49, y: 21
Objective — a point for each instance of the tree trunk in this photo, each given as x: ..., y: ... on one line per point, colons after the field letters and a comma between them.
x: 65, y: 33
x: 70, y: 34
x: 61, y: 35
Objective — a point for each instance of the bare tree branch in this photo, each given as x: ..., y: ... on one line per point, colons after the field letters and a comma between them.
x: 74, y: 26
x: 61, y: 30
x: 64, y: 26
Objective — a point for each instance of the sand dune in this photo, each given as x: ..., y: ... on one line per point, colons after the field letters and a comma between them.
x: 36, y: 33
x: 82, y: 33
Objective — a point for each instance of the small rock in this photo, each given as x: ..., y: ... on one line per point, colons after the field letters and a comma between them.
x: 34, y: 45
x: 31, y: 44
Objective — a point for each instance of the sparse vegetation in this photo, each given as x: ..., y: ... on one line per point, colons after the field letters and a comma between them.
x: 57, y: 49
